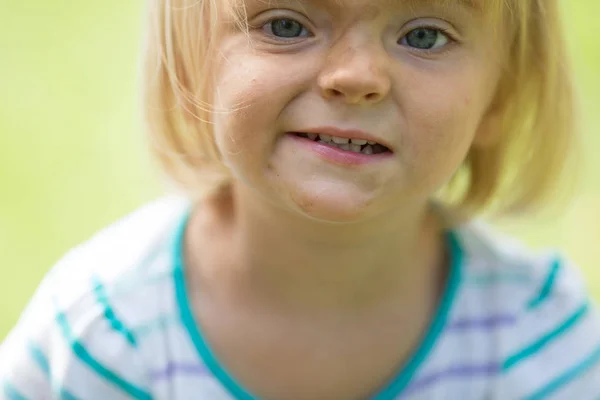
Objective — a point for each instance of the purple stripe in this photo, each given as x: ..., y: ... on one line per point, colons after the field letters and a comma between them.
x: 487, y: 323
x: 458, y: 371
x: 175, y: 369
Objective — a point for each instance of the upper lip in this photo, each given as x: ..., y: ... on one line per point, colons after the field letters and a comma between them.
x: 346, y: 133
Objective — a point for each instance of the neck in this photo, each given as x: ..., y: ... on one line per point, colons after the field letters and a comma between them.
x: 296, y: 262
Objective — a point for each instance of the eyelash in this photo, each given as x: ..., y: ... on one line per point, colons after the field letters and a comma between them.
x: 443, y: 31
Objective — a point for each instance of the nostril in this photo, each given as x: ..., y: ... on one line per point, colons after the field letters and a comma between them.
x: 334, y: 93
x: 372, y: 96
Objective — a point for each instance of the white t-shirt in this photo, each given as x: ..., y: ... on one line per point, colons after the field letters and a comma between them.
x: 112, y: 321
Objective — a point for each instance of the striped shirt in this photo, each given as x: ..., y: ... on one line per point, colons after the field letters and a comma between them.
x: 112, y: 320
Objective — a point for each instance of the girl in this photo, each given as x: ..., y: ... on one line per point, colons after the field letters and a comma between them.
x: 333, y: 154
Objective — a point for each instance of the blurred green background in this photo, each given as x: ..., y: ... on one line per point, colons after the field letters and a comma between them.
x: 72, y: 154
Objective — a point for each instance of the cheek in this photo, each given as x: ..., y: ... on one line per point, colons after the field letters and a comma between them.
x: 251, y: 93
x: 443, y: 114
x: 243, y: 115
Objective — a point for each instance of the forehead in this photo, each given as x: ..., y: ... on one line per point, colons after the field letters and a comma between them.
x: 488, y: 12
x: 472, y: 5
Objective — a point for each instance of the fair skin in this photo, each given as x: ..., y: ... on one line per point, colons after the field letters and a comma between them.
x: 313, y: 278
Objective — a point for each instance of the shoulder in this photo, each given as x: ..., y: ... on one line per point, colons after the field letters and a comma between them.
x: 123, y: 245
x: 504, y: 264
x: 551, y: 347
x: 76, y: 331
x: 128, y: 251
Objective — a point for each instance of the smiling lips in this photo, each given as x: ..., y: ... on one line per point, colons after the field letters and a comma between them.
x: 355, y: 145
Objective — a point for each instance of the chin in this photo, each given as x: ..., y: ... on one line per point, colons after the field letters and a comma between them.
x: 333, y: 204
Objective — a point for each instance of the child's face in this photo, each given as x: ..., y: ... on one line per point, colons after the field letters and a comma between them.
x: 416, y: 78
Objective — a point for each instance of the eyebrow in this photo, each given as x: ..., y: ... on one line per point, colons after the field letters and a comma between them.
x: 473, y: 5
x: 470, y: 5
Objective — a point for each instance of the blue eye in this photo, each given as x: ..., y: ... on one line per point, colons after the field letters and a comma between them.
x: 286, y: 28
x: 425, y: 39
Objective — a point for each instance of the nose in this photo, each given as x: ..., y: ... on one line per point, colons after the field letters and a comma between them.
x: 356, y: 75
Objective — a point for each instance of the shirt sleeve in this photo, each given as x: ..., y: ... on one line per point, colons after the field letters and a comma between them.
x: 554, y: 352
x: 71, y: 350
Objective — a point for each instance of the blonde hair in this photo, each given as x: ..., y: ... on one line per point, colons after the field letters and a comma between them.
x: 533, y: 109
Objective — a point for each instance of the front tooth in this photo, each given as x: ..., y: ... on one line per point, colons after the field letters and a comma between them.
x: 325, y: 138
x: 344, y: 146
x: 371, y: 142
x: 312, y: 136
x: 359, y: 142
x: 367, y: 150
x: 339, y: 140
x: 355, y: 147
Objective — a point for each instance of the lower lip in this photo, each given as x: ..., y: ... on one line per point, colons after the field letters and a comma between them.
x: 339, y: 156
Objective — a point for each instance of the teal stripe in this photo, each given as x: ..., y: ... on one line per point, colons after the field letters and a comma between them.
x: 65, y: 395
x: 548, y: 338
x: 158, y: 324
x: 187, y: 318
x: 568, y: 377
x: 81, y: 352
x: 12, y: 393
x: 494, y: 278
x: 404, y: 377
x: 40, y: 359
x: 109, y: 313
x: 547, y: 287
x: 392, y: 390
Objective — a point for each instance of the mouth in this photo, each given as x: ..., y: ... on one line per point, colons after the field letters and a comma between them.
x: 361, y: 146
